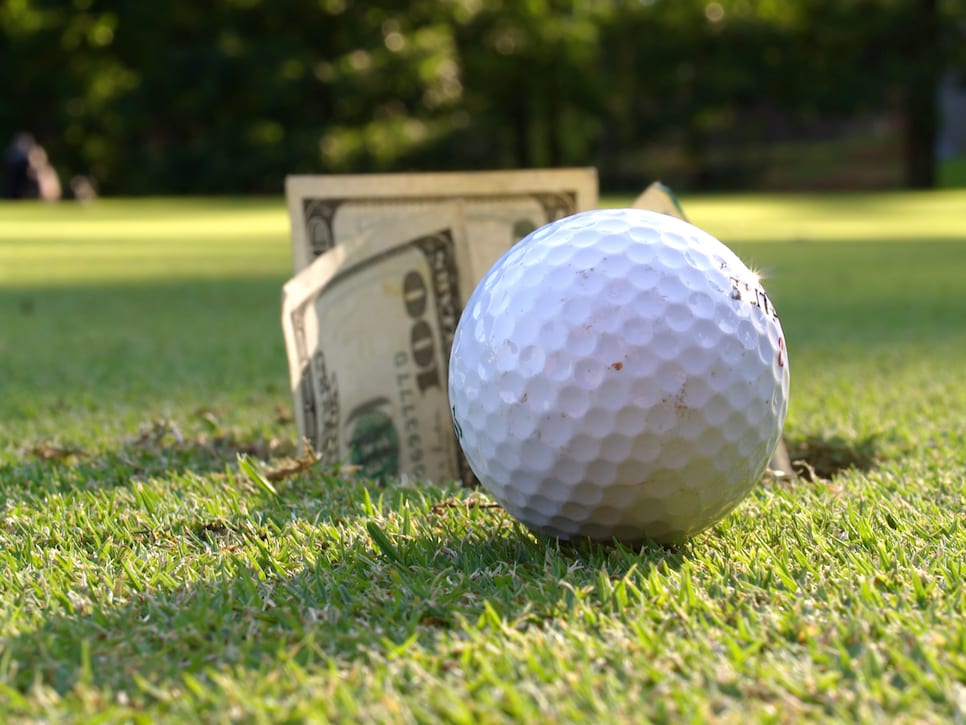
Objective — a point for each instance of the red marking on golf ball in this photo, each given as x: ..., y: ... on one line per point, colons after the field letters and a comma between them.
x: 781, y: 350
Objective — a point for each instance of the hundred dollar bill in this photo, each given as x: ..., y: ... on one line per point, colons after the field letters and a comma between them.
x: 500, y: 207
x: 658, y: 197
x: 368, y: 330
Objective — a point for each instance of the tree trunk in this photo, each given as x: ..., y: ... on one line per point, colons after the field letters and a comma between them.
x: 552, y: 111
x: 925, y: 68
x: 521, y: 129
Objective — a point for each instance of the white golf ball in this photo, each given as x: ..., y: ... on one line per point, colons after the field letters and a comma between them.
x: 619, y: 374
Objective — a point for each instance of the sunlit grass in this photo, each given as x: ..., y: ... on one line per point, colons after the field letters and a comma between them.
x: 111, y: 240
x: 144, y: 577
x: 117, y: 241
x: 859, y: 217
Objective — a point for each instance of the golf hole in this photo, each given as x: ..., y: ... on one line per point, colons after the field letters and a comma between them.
x: 822, y: 457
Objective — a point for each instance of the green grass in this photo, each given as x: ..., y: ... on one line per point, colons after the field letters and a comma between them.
x: 144, y: 577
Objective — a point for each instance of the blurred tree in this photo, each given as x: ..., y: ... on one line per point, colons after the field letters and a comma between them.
x: 230, y: 95
x: 876, y: 54
x: 923, y: 53
x: 531, y: 83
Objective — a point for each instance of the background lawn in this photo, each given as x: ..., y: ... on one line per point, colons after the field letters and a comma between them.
x: 143, y: 576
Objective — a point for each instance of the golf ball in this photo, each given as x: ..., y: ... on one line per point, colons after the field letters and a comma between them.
x: 619, y: 374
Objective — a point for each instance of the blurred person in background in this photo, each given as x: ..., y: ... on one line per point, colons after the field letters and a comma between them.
x: 27, y: 171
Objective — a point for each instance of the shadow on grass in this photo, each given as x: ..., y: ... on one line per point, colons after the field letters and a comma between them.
x: 74, y: 352
x: 159, y: 449
x: 355, y: 602
x: 823, y: 457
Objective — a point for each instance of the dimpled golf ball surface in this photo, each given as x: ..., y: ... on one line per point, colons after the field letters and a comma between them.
x: 619, y: 374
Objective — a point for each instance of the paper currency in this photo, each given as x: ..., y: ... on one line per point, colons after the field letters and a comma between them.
x: 384, y: 264
x: 500, y: 207
x: 368, y: 329
x: 658, y: 197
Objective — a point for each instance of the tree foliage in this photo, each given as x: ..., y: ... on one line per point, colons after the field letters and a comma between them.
x: 231, y: 95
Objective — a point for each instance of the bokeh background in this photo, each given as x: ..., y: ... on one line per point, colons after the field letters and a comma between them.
x: 229, y: 96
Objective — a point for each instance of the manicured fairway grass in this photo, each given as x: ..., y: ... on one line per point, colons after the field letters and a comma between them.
x: 144, y: 577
